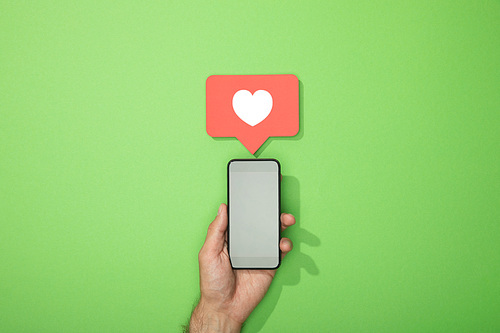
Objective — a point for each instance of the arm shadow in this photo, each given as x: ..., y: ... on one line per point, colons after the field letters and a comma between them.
x: 294, y: 264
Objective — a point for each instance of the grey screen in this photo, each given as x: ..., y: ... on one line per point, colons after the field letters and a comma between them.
x: 254, y: 214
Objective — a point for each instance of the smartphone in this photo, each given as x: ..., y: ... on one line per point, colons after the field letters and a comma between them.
x: 253, y: 197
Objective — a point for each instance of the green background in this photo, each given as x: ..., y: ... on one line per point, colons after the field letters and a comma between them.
x: 108, y: 180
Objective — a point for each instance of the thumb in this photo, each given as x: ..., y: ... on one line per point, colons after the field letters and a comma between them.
x: 217, y: 231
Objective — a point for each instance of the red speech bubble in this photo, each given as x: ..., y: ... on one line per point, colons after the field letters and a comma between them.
x: 252, y: 107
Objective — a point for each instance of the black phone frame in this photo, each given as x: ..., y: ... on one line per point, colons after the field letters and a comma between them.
x: 279, y: 210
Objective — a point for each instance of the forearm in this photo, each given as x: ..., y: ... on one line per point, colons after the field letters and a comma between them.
x: 203, y: 320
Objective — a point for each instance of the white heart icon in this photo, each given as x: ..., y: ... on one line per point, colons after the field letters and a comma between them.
x: 252, y: 109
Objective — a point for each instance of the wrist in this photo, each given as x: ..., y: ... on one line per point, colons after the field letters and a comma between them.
x: 204, y: 319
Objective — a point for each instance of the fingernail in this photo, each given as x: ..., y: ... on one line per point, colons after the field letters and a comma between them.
x: 220, y: 209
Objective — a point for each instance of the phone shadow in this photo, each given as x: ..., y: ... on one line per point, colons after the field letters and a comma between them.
x: 292, y: 265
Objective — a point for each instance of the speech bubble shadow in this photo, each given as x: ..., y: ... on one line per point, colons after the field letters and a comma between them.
x: 299, y: 135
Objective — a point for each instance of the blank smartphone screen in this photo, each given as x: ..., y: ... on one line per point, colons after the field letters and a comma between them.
x: 254, y: 213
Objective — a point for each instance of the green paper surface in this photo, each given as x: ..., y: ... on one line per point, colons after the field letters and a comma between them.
x: 108, y: 179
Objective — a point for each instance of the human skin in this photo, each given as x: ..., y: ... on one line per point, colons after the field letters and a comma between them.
x: 229, y: 296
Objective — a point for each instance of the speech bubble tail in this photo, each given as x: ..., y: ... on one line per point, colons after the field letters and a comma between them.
x: 252, y: 143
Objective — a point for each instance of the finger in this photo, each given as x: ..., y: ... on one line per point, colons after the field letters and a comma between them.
x: 286, y: 220
x: 216, y: 234
x: 286, y: 246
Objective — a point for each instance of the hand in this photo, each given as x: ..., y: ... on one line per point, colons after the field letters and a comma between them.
x: 229, y: 296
